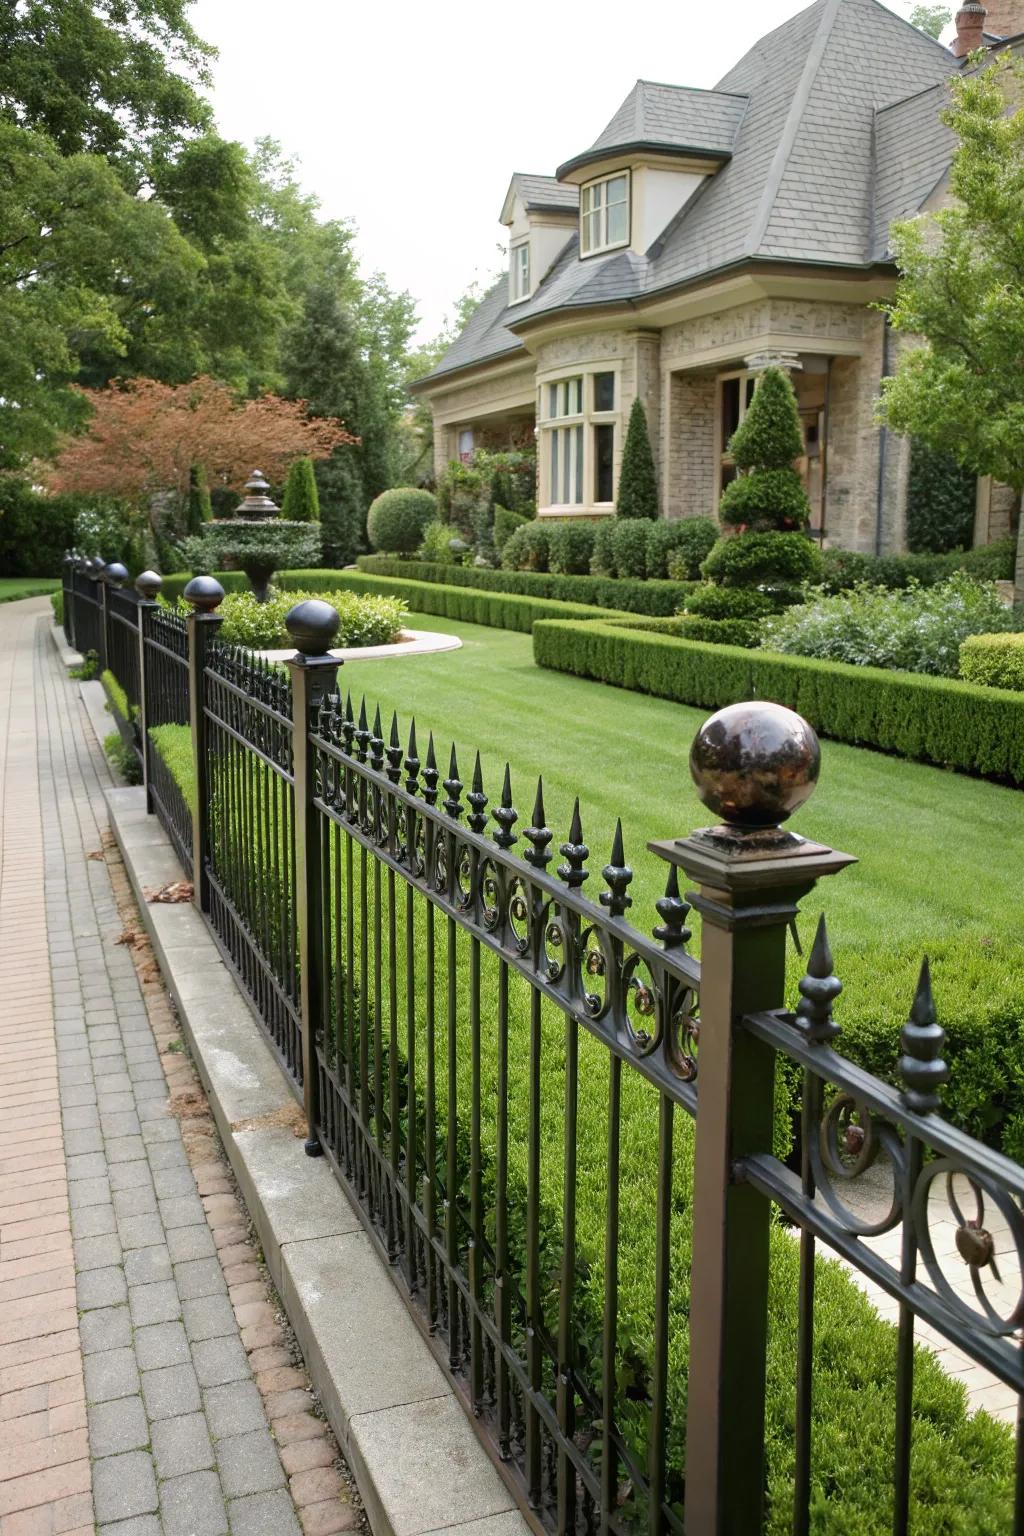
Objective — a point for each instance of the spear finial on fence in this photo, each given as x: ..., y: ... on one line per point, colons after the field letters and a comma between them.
x: 505, y: 814
x: 673, y: 911
x: 412, y: 763
x: 377, y: 743
x: 477, y: 817
x: 922, y: 1038
x: 394, y: 769
x: 574, y: 852
x: 617, y: 875
x: 539, y: 834
x: 431, y: 773
x: 453, y: 784
x: 348, y: 724
x: 819, y: 990
x: 362, y: 732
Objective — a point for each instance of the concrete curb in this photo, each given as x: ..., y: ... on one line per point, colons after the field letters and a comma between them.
x: 418, y: 1464
x: 94, y: 697
x: 69, y: 657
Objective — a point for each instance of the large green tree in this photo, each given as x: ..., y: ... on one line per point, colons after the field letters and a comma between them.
x: 962, y: 291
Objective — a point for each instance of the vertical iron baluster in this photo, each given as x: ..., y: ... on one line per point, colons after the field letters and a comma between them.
x: 609, y: 1337
x: 566, y: 1388
x: 352, y: 1079
x: 394, y: 1137
x: 430, y: 1123
x: 502, y: 1279
x: 533, y: 1303
x: 364, y: 1018
x: 476, y: 1199
x: 662, y: 1271
x: 382, y: 1202
x: 452, y: 1167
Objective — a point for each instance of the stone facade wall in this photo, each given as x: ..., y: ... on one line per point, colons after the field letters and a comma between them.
x: 853, y: 446
x: 688, y: 444
x: 647, y: 375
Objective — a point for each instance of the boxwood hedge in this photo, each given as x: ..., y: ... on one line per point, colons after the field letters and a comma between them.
x: 658, y: 598
x: 935, y: 719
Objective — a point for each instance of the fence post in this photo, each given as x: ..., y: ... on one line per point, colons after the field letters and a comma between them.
x: 67, y: 581
x: 147, y: 585
x: 95, y: 573
x: 204, y: 594
x: 753, y: 764
x: 314, y: 674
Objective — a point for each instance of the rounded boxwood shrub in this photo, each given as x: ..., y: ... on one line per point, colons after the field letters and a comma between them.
x: 629, y: 546
x: 505, y: 524
x: 769, y: 498
x: 571, y: 546
x: 730, y: 602
x: 995, y: 660
x: 776, y: 560
x: 676, y: 547
x: 397, y: 519
x: 602, y: 561
x: 528, y: 548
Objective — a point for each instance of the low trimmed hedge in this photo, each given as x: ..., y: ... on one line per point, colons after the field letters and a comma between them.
x: 117, y: 696
x: 845, y: 568
x: 934, y: 719
x: 997, y: 661
x: 657, y: 598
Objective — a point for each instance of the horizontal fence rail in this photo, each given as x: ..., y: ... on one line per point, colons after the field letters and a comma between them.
x: 522, y: 1091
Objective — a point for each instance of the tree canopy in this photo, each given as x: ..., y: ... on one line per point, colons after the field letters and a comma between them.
x: 962, y: 290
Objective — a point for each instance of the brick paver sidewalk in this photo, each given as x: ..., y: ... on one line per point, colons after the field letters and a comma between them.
x: 128, y: 1401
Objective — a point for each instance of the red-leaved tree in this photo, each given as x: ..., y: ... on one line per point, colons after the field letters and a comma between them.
x: 143, y: 437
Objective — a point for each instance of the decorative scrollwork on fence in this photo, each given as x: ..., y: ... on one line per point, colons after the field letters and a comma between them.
x: 994, y: 1261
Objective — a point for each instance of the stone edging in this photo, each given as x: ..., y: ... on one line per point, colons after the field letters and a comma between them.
x: 417, y: 642
x: 418, y: 1464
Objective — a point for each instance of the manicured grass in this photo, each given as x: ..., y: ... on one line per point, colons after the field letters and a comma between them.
x: 14, y: 587
x: 936, y: 850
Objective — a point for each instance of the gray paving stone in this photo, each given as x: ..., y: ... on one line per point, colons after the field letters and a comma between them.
x: 81, y: 1117
x: 190, y: 1243
x: 182, y: 1211
x: 167, y: 1154
x: 73, y: 1074
x: 152, y: 1111
x: 143, y: 1266
x: 220, y: 1360
x: 142, y: 1525
x: 123, y: 1486
x: 83, y: 1141
x: 161, y: 1130
x: 182, y: 1445
x: 86, y: 1165
x: 145, y: 1067
x: 121, y: 1125
x: 150, y: 1091
x: 264, y: 1514
x: 125, y: 1149
x: 117, y: 1426
x: 169, y: 1182
x: 93, y: 1221
x: 86, y: 1192
x: 140, y: 1201
x: 157, y: 1302
x: 106, y: 1328
x: 209, y: 1317
x: 249, y: 1464
x: 140, y: 1231
x: 112, y: 1082
x: 161, y: 1344
x: 199, y: 1277
x: 101, y: 1288
x: 193, y: 1505
x: 79, y: 1097
x: 113, y: 1373
x: 133, y: 1175
x: 116, y: 1103
x: 234, y: 1408
x: 97, y: 1252
x: 171, y: 1390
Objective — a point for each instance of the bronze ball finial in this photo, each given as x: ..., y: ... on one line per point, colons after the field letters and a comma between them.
x: 754, y: 764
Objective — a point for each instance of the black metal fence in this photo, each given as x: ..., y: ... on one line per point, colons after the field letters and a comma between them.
x: 496, y: 1065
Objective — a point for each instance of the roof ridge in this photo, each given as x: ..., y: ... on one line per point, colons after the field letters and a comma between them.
x: 695, y: 90
x: 638, y: 107
x: 787, y: 139
x: 908, y: 23
x: 936, y: 85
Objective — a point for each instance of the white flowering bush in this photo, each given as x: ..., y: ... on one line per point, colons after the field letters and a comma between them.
x: 916, y: 630
x: 365, y: 620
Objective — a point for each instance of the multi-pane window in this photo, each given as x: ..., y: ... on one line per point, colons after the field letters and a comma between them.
x: 604, y: 214
x: 520, y: 271
x: 579, y: 423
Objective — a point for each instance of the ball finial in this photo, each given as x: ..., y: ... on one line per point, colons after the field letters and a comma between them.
x: 115, y: 574
x: 204, y: 593
x: 312, y: 625
x: 148, y: 584
x: 755, y: 764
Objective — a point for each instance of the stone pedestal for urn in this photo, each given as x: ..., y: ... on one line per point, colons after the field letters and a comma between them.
x: 257, y: 540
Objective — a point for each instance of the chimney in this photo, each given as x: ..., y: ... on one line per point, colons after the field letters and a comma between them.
x: 1005, y: 18
x: 970, y: 24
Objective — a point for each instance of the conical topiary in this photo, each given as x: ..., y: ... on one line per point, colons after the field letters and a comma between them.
x: 638, y: 481
x: 199, y: 510
x: 770, y: 495
x: 301, y: 503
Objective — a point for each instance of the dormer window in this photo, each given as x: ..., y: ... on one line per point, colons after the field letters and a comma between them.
x: 604, y: 214
x: 519, y: 275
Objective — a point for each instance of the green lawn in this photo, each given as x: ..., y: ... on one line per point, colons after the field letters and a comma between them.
x: 940, y: 854
x: 13, y: 587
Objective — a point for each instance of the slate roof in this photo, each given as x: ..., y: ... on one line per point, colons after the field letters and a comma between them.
x: 834, y: 131
x: 546, y: 192
x: 674, y: 117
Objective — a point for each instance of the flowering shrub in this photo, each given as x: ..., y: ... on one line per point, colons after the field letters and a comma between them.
x: 368, y: 620
x: 916, y: 630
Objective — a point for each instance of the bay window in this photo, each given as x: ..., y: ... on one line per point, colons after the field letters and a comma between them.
x: 579, y: 423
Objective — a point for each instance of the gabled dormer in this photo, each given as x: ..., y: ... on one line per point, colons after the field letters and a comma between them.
x: 540, y: 215
x: 658, y: 149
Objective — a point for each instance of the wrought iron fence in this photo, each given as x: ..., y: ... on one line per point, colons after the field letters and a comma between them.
x: 164, y: 663
x: 495, y: 1065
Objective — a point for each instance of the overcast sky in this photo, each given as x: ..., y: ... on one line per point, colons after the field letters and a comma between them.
x: 409, y: 118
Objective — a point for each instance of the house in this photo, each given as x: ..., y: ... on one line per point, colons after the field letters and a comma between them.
x: 703, y: 234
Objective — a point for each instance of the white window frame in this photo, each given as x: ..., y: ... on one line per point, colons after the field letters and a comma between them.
x: 594, y: 219
x: 566, y: 419
x: 519, y: 273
